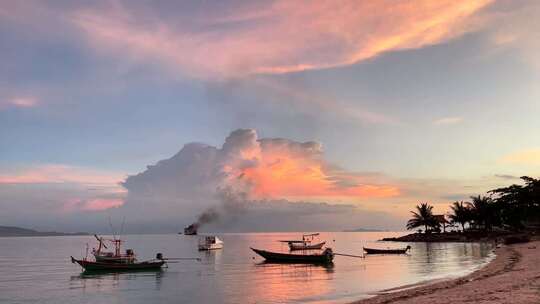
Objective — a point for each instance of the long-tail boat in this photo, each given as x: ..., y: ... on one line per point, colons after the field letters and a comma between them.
x: 305, y: 243
x: 323, y: 257
x: 387, y: 251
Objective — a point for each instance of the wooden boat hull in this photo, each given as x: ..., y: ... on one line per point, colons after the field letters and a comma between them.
x: 385, y: 251
x: 100, y: 266
x: 305, y: 246
x: 277, y: 257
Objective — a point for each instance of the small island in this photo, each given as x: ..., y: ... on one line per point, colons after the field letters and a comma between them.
x: 10, y: 231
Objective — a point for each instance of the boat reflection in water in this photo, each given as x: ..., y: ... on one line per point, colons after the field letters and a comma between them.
x: 109, y: 281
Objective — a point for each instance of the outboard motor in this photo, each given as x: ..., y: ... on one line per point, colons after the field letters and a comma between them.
x: 129, y: 252
x: 159, y: 256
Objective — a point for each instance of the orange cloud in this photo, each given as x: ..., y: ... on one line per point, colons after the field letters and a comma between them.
x: 529, y: 157
x: 284, y: 169
x: 247, y: 168
x: 279, y: 37
x: 283, y: 176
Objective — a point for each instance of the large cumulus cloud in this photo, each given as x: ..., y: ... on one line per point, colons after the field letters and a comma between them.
x: 242, y: 174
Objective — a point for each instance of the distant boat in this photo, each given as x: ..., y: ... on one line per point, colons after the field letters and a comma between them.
x: 387, y: 251
x: 305, y: 243
x: 324, y: 257
x: 210, y: 243
x: 191, y: 229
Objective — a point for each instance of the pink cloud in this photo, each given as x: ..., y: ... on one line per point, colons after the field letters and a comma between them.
x: 281, y: 37
x: 102, y: 204
x: 52, y: 173
x: 96, y: 204
x: 19, y: 102
x: 448, y: 120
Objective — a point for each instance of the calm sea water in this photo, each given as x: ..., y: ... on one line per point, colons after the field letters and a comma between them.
x: 38, y: 270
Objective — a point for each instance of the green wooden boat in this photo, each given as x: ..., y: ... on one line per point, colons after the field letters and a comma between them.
x: 108, y: 266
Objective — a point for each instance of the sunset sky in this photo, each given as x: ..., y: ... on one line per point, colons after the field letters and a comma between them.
x: 315, y: 114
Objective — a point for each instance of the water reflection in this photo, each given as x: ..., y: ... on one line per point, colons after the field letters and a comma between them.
x: 290, y: 281
x: 232, y: 275
x: 329, y: 267
x: 107, y: 281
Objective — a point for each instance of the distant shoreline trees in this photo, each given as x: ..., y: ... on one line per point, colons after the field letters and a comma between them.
x: 508, y: 208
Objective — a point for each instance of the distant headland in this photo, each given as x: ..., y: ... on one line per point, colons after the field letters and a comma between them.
x: 364, y: 230
x: 9, y: 231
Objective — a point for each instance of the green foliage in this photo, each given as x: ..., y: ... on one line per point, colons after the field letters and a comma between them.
x: 513, y: 207
x: 519, y: 204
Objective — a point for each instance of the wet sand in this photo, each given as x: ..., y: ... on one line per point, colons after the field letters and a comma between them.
x: 512, y: 277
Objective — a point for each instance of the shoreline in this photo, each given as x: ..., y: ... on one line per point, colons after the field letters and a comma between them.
x: 460, y: 237
x: 513, y: 276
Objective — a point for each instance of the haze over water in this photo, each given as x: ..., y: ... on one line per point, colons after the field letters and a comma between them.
x: 38, y: 270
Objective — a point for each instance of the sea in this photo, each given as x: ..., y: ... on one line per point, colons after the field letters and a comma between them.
x: 39, y: 270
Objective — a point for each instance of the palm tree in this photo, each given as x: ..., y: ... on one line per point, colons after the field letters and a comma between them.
x: 461, y: 214
x: 482, y: 211
x: 422, y: 217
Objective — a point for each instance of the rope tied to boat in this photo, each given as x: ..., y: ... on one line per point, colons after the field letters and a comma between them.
x: 350, y: 255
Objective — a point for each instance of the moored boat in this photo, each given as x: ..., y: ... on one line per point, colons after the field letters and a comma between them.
x: 387, y: 251
x: 108, y: 266
x: 323, y: 257
x: 305, y: 246
x: 306, y: 243
x: 191, y: 229
x: 210, y: 243
x: 116, y: 261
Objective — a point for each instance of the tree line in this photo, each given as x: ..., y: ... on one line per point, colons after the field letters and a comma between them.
x: 510, y: 208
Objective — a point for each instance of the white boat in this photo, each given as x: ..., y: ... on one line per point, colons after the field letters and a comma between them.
x: 306, y: 243
x: 210, y: 243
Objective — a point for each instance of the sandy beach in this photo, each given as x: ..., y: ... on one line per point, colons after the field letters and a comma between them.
x: 512, y: 277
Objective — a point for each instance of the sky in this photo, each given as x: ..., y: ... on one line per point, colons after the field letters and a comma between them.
x: 272, y: 115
